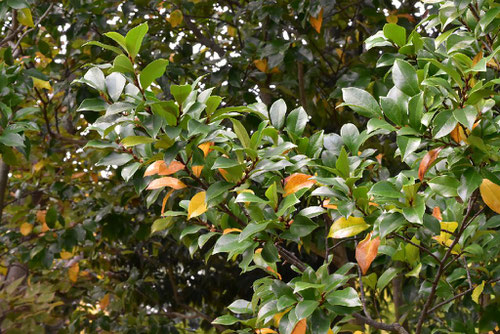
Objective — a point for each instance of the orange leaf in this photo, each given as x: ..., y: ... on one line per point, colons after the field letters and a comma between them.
x: 73, y: 272
x: 300, y: 327
x: 77, y: 175
x: 104, y: 302
x: 65, y: 255
x: 261, y: 64
x: 197, y: 170
x: 477, y: 58
x: 265, y: 331
x: 224, y: 173
x: 166, y: 181
x: 297, y: 181
x: 154, y: 168
x: 165, y: 199
x: 436, y: 212
x: 174, y: 167
x: 26, y: 229
x: 229, y: 230
x: 490, y: 193
x: 458, y: 134
x: 316, y: 22
x: 427, y: 161
x: 205, y: 147
x: 40, y: 216
x: 326, y: 204
x: 274, y: 272
x: 366, y: 252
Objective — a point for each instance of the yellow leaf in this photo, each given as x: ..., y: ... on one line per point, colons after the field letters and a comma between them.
x: 477, y: 58
x: 104, y: 302
x: 297, y: 181
x: 458, y: 134
x: 73, y: 272
x: 261, y: 64
x: 329, y: 331
x: 231, y: 31
x: 316, y: 22
x: 229, y: 230
x: 197, y: 170
x: 65, y: 255
x: 300, y: 327
x: 447, y: 227
x: 165, y: 199
x: 38, y: 166
x: 206, y: 147
x: 392, y: 19
x: 39, y: 83
x: 24, y: 17
x: 477, y: 292
x: 345, y: 228
x: 26, y: 229
x: 197, y: 205
x: 166, y: 181
x: 277, y: 317
x: 265, y: 331
x: 175, y: 18
x: 490, y: 193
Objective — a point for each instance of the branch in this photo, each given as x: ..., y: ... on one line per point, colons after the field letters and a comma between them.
x: 4, y: 175
x: 395, y: 327
x: 418, y: 246
x: 202, y: 38
x: 291, y: 258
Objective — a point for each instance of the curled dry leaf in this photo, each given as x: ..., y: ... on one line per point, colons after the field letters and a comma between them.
x: 427, y: 161
x: 297, y: 181
x: 197, y: 205
x: 366, y: 252
x: 490, y: 193
x: 166, y: 181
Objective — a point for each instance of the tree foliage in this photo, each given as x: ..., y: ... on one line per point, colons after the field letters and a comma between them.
x: 138, y: 193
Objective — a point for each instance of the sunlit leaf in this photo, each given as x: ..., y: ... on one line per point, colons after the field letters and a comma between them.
x: 345, y: 228
x: 490, y: 193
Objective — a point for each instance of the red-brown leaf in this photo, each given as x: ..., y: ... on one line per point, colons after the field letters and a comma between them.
x: 427, y: 161
x: 366, y: 252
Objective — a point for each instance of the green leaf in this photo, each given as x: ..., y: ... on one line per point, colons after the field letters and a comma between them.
x: 385, y: 189
x: 104, y: 46
x: 241, y: 133
x: 487, y: 18
x: 118, y: 38
x: 305, y: 308
x: 217, y: 189
x: 136, y: 140
x: 387, y: 277
x: 395, y: 33
x: 225, y: 320
x: 405, y: 77
x: 342, y: 163
x: 277, y: 113
x: 361, y: 102
x: 17, y: 4
x: 443, y: 123
x: 152, y: 71
x: 301, y: 285
x: 180, y: 92
x: 252, y: 229
x: 297, y: 121
x: 115, y: 82
x: 346, y: 297
x: 466, y: 116
x: 389, y: 222
x: 134, y: 38
x: 114, y: 158
x: 161, y: 224
x: 96, y: 79
x: 249, y: 197
x: 223, y: 162
x: 11, y: 139
x: 444, y: 185
x: 122, y: 64
x: 240, y: 306
x: 393, y: 111
x: 51, y: 217
x: 407, y: 145
x: 24, y: 17
x: 129, y: 170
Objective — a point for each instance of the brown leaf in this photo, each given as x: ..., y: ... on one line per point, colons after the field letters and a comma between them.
x: 104, y: 302
x: 427, y: 161
x: 297, y: 181
x: 166, y: 181
x: 300, y: 327
x: 316, y: 22
x: 366, y: 252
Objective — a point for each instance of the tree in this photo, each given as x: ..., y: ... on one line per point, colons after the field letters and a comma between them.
x: 293, y: 206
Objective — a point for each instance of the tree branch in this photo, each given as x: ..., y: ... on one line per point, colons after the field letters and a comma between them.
x: 202, y: 38
x: 395, y: 327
